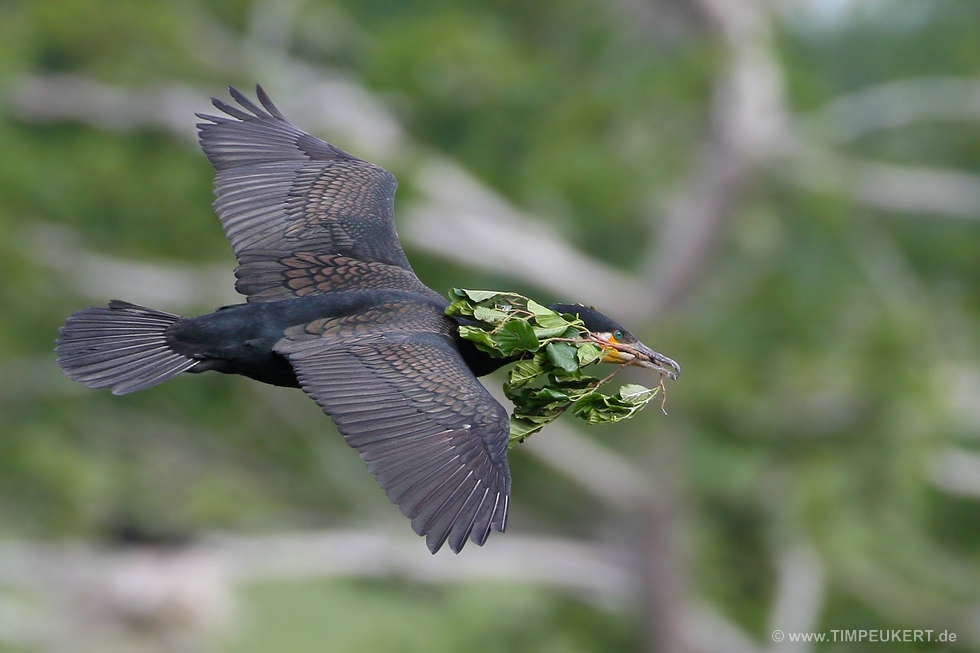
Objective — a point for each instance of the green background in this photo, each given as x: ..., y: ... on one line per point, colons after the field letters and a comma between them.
x: 819, y: 467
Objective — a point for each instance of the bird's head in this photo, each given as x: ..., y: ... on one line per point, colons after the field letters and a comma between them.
x: 619, y: 345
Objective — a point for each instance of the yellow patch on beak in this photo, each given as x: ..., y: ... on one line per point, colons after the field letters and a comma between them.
x: 611, y: 354
x: 616, y: 356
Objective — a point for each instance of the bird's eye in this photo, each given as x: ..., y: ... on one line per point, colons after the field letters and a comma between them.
x: 617, y: 335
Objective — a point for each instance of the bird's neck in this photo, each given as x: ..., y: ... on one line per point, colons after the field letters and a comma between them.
x: 480, y: 362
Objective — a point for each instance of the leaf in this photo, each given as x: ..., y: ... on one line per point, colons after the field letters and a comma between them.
x: 576, y: 381
x: 489, y: 315
x: 637, y: 394
x: 531, y: 401
x: 516, y: 336
x: 524, y: 372
x: 548, y: 395
x: 597, y: 408
x: 549, y: 324
x: 460, y: 307
x: 551, y: 332
x: 523, y: 427
x: 548, y: 378
x: 477, y: 295
x: 481, y: 338
x: 538, y: 309
x: 563, y: 356
x: 587, y: 353
x: 545, y: 317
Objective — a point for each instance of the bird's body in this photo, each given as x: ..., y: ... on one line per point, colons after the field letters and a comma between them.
x: 241, y: 339
x: 334, y: 308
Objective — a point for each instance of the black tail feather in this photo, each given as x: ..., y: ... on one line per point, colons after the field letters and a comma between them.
x: 123, y: 347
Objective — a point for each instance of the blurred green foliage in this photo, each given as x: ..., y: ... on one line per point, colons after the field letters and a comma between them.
x: 423, y: 619
x: 821, y: 353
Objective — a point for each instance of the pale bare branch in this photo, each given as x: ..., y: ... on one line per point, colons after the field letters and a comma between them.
x: 957, y: 471
x: 170, y: 286
x: 185, y: 595
x: 459, y: 209
x: 799, y: 598
x: 595, y: 467
x: 916, y: 191
x: 73, y: 98
x: 709, y: 631
x: 893, y: 105
x: 750, y: 123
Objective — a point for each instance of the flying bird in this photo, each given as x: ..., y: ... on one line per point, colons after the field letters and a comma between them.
x: 333, y: 307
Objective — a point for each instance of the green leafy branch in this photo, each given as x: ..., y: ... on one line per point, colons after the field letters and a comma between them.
x: 552, y: 350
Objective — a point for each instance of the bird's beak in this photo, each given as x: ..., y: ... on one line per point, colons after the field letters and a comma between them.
x: 642, y: 356
x: 656, y: 361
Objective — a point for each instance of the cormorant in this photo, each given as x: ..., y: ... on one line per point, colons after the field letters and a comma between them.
x: 333, y: 308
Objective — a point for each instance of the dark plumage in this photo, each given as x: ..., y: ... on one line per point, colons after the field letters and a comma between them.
x: 335, y: 309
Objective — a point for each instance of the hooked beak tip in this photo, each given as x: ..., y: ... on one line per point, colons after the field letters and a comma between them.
x: 657, y: 361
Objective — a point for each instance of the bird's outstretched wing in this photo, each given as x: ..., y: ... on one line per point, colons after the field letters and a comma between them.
x: 302, y: 216
x: 394, y: 383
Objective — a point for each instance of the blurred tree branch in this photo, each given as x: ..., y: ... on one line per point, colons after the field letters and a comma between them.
x: 911, y: 190
x: 800, y: 595
x: 749, y: 122
x: 751, y: 134
x: 188, y: 592
x: 893, y: 105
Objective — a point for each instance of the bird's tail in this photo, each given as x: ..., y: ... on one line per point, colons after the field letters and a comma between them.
x: 123, y: 347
